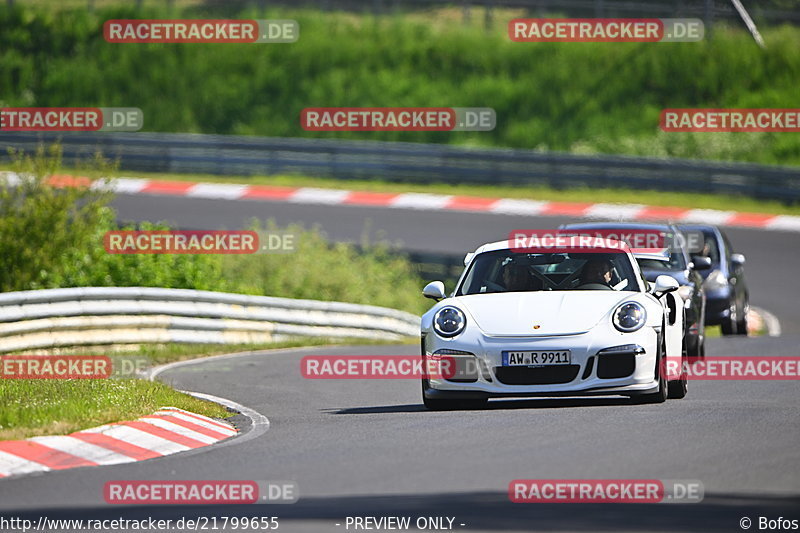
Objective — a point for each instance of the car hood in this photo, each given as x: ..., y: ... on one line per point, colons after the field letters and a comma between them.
x: 556, y: 312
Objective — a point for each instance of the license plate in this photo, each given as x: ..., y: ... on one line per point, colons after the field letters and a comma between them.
x: 537, y: 358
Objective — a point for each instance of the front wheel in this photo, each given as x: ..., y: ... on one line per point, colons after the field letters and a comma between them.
x: 677, y: 389
x: 741, y: 325
x: 730, y: 326
x: 660, y: 396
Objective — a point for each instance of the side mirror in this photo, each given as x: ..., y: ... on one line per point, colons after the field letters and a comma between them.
x: 665, y: 284
x: 737, y: 260
x: 701, y: 262
x: 434, y: 290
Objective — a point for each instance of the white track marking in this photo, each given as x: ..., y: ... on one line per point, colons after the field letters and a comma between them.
x: 12, y: 465
x: 140, y: 438
x: 84, y: 450
x: 784, y: 222
x: 770, y: 321
x: 128, y: 185
x: 229, y: 431
x: 309, y: 195
x: 707, y: 216
x: 508, y: 206
x: 224, y: 191
x: 614, y: 211
x: 180, y: 430
x: 414, y: 200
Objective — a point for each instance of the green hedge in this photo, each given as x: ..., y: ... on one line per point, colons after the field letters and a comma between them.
x: 581, y: 97
x: 54, y: 238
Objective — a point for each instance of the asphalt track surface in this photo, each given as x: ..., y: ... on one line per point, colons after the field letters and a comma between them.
x: 368, y: 448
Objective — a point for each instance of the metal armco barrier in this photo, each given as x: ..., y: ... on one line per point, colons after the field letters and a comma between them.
x: 412, y: 162
x: 132, y: 315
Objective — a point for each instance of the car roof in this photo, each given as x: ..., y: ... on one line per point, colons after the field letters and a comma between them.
x: 612, y: 224
x: 504, y: 245
x: 705, y: 228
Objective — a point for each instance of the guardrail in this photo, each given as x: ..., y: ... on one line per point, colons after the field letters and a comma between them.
x: 413, y: 162
x: 131, y: 315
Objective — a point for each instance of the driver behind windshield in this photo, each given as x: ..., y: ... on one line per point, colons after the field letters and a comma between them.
x: 597, y: 271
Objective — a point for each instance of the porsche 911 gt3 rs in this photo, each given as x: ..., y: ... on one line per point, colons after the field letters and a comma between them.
x: 554, y: 321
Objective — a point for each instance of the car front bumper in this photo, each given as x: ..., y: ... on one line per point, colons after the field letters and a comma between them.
x: 592, y: 369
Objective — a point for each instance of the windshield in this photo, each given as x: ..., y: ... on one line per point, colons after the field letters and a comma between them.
x: 710, y: 247
x: 677, y: 262
x: 507, y: 271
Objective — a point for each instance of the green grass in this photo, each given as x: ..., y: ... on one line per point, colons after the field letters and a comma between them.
x: 159, y: 354
x: 576, y: 97
x: 590, y: 195
x: 35, y: 407
x: 40, y: 407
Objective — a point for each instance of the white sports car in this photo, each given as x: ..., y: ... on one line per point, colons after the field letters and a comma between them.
x: 554, y: 322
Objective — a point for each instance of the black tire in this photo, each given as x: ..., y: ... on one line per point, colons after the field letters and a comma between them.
x: 698, y: 349
x: 741, y: 325
x: 660, y: 396
x: 677, y: 389
x: 730, y: 326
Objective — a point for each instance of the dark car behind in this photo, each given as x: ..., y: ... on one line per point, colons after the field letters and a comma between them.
x: 680, y: 266
x: 727, y: 295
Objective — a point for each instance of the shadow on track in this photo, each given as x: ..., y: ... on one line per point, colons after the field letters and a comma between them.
x: 494, y: 405
x: 478, y: 511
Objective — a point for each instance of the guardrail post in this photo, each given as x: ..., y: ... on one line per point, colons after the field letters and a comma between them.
x: 708, y: 17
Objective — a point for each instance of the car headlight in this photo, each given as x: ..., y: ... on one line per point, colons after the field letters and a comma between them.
x: 715, y: 281
x: 629, y: 317
x: 449, y: 321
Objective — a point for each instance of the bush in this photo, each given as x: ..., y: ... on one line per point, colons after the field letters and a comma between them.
x: 41, y: 225
x: 318, y: 270
x: 53, y: 237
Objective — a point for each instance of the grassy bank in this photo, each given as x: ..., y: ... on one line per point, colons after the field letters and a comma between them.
x: 55, y: 407
x: 578, y: 97
x: 34, y: 407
